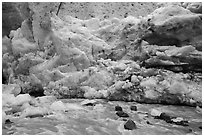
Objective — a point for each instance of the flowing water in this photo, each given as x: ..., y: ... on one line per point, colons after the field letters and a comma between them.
x: 102, y: 120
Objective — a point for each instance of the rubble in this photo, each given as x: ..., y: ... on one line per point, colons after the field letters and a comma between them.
x: 148, y: 59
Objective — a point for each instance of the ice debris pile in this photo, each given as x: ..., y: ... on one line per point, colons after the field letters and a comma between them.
x: 152, y: 59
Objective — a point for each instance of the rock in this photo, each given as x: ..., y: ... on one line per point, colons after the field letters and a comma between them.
x: 118, y: 108
x: 155, y: 112
x: 36, y: 90
x: 119, y: 85
x: 45, y: 99
x: 11, y: 89
x: 177, y: 59
x: 34, y: 112
x: 167, y: 25
x: 104, y: 93
x: 200, y: 127
x: 178, y: 88
x: 133, y: 108
x: 178, y: 119
x: 151, y: 94
x: 58, y: 106
x: 165, y: 117
x: 151, y: 82
x: 22, y: 98
x: 180, y: 52
x: 134, y: 79
x: 130, y: 125
x: 88, y: 102
x: 122, y: 114
x: 198, y: 109
x: 89, y: 92
x: 149, y: 123
x: 8, y: 121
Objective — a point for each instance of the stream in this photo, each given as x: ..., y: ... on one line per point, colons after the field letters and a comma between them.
x: 101, y: 119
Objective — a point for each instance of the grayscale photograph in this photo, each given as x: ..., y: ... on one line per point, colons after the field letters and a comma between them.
x: 101, y: 68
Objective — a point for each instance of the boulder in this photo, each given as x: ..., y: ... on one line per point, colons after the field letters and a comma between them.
x: 118, y: 108
x: 178, y: 59
x: 133, y: 108
x: 173, y: 25
x: 122, y: 114
x: 130, y: 125
x: 22, y: 98
x: 155, y: 112
x: 34, y: 112
x: 89, y: 92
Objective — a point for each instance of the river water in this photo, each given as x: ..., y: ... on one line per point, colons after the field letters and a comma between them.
x: 101, y: 119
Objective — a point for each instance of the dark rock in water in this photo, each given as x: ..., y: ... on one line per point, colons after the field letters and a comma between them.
x: 190, y: 130
x: 118, y: 108
x: 182, y: 123
x: 170, y: 119
x: 8, y: 121
x: 133, y: 108
x: 149, y: 123
x: 34, y: 116
x: 165, y: 117
x: 122, y: 114
x: 200, y: 127
x: 130, y: 125
x: 89, y: 102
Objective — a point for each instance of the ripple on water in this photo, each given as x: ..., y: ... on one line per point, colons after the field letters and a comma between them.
x: 103, y: 120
